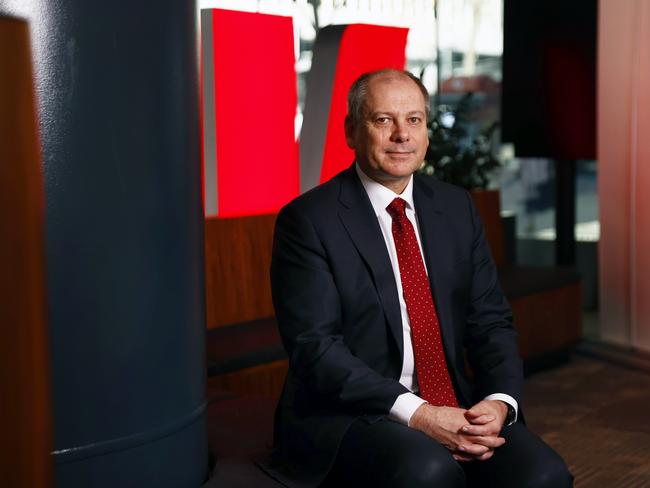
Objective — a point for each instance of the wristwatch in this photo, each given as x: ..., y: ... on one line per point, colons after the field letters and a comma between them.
x: 510, y: 416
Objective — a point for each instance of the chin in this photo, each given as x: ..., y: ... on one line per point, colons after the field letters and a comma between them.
x: 400, y: 170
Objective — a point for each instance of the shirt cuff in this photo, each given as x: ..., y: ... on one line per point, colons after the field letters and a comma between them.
x: 504, y: 398
x: 404, y: 407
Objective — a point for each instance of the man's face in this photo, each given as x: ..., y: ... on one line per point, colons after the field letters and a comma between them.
x: 391, y: 138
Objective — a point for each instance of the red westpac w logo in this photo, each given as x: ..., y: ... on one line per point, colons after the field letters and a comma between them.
x: 252, y: 162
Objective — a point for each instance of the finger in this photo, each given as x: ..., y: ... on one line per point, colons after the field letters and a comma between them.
x: 464, y: 459
x: 480, y: 419
x: 485, y: 456
x: 473, y: 412
x: 478, y: 409
x: 491, y: 442
x: 469, y: 448
x: 491, y: 428
x: 460, y: 456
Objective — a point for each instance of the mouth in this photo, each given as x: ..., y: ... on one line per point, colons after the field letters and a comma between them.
x: 399, y: 154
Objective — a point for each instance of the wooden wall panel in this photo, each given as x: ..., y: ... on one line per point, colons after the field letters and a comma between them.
x: 25, y: 417
x: 549, y: 321
x: 237, y: 262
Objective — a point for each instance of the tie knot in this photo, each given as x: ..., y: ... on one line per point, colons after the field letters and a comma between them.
x: 397, y: 208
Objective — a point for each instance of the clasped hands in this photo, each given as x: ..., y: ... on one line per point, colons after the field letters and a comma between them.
x: 470, y: 435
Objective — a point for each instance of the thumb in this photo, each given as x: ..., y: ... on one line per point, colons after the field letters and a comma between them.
x: 473, y: 413
x: 476, y: 416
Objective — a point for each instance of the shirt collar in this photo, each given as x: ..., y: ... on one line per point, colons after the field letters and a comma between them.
x: 380, y: 196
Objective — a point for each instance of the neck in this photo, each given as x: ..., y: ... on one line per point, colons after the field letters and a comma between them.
x: 397, y: 186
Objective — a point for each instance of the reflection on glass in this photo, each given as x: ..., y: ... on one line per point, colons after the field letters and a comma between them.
x: 528, y: 191
x: 587, y: 223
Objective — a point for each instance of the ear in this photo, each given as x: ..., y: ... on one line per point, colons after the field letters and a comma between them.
x: 349, y: 132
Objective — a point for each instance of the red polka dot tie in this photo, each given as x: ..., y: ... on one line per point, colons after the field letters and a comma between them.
x: 430, y: 363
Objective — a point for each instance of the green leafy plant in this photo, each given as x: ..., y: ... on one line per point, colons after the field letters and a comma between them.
x: 453, y: 154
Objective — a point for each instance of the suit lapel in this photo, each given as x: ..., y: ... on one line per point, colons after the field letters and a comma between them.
x: 430, y: 221
x: 359, y: 219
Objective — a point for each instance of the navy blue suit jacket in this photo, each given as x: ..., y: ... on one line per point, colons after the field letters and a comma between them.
x: 338, y: 312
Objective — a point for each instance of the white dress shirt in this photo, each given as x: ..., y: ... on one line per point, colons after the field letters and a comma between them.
x: 380, y: 197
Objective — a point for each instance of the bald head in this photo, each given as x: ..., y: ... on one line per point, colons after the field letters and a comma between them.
x: 358, y: 93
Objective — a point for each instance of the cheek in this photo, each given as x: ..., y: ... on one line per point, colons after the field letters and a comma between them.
x: 377, y: 142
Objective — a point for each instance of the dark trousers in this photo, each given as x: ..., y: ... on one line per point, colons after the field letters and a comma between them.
x: 389, y: 454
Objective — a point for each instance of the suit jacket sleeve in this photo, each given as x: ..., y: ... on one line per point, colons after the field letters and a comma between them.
x: 309, y: 314
x: 490, y: 338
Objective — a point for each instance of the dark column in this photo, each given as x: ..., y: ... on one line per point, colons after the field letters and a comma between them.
x: 565, y: 213
x: 118, y: 100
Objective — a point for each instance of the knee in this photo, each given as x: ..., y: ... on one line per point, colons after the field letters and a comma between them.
x: 431, y: 472
x: 551, y: 475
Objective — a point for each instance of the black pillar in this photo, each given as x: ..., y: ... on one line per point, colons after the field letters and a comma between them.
x: 117, y: 85
x: 565, y: 212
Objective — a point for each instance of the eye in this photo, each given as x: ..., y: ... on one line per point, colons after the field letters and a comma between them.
x: 382, y: 120
x: 414, y: 120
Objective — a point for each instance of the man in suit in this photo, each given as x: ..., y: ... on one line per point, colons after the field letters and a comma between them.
x: 382, y: 280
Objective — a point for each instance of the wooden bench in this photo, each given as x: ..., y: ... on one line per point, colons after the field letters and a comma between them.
x: 546, y: 301
x: 244, y: 352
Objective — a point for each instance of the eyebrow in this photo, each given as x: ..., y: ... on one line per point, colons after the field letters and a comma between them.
x: 388, y: 112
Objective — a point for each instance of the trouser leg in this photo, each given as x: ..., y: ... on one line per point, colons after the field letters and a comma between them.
x: 524, y: 460
x: 389, y: 454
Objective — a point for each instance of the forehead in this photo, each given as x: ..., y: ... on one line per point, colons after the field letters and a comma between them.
x: 389, y: 93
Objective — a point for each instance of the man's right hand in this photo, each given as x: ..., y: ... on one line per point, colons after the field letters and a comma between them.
x: 444, y: 424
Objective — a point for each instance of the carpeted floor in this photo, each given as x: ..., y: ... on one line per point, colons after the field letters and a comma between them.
x: 597, y: 416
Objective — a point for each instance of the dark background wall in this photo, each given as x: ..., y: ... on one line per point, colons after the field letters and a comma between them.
x: 549, y: 78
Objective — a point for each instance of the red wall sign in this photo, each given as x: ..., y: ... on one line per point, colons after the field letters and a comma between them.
x: 250, y: 156
x: 363, y: 48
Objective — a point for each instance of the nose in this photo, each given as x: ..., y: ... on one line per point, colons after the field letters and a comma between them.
x: 400, y: 132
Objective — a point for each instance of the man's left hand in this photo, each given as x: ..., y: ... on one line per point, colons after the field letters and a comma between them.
x: 486, y: 418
